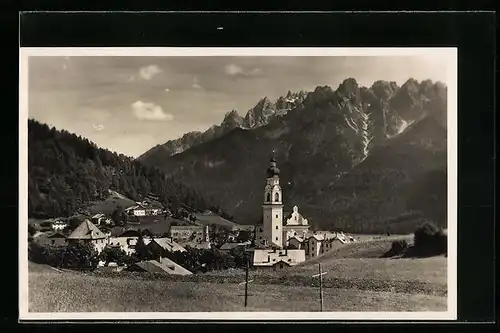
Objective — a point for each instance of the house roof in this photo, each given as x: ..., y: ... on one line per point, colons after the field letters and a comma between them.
x: 96, y: 216
x: 167, y: 244
x: 298, y: 238
x: 134, y: 207
x: 230, y: 246
x: 87, y: 230
x: 195, y: 245
x: 165, y: 266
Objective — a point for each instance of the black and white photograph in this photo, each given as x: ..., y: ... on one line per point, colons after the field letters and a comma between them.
x: 212, y: 183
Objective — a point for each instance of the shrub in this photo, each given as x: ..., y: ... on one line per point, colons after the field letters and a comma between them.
x: 79, y: 256
x: 429, y: 240
x: 114, y: 254
x: 399, y: 246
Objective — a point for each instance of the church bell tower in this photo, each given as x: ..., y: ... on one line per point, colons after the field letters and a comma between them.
x: 272, y: 209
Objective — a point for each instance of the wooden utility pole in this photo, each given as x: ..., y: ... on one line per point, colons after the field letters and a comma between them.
x: 320, y: 275
x: 246, y: 279
x: 320, y: 288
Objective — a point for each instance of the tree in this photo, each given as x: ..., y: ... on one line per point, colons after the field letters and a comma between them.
x: 240, y: 256
x: 114, y: 254
x: 244, y: 236
x: 68, y: 172
x: 429, y: 240
x: 140, y: 248
x: 80, y: 255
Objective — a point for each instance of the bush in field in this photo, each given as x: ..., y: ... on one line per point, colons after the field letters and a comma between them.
x: 398, y: 247
x: 80, y: 256
x: 429, y: 240
x: 76, y: 256
x: 45, y: 254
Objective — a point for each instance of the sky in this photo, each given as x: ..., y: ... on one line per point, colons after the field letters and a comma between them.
x: 129, y: 104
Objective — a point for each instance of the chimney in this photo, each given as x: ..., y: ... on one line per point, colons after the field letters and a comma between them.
x: 159, y: 259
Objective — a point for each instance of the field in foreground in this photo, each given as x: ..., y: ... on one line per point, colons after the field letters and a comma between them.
x: 350, y: 285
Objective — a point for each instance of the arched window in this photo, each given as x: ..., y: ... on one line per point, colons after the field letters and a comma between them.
x: 268, y: 197
x: 276, y: 197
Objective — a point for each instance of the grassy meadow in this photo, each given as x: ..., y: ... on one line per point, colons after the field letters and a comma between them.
x: 351, y: 284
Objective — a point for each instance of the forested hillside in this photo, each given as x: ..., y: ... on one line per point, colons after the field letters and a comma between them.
x: 66, y: 172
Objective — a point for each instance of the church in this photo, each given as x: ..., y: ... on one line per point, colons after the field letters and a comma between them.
x: 273, y: 234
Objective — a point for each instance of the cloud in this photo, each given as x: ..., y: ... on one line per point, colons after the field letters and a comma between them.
x: 167, y: 90
x: 235, y: 70
x: 150, y: 111
x: 65, y: 66
x: 98, y: 127
x: 196, y: 84
x: 148, y: 72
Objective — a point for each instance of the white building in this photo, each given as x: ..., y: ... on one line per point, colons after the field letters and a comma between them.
x: 323, y: 242
x: 87, y: 232
x: 101, y: 219
x: 59, y: 225
x: 272, y: 235
x: 126, y: 241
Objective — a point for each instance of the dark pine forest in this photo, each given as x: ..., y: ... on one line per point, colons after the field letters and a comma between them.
x: 67, y: 172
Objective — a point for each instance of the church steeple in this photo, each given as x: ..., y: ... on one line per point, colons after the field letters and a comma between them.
x: 273, y: 170
x: 273, y: 205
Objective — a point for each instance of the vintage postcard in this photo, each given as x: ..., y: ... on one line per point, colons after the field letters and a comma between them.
x: 238, y: 183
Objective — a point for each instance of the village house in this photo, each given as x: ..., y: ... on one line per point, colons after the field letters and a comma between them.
x: 52, y: 239
x: 271, y: 236
x: 125, y: 240
x: 227, y: 247
x: 295, y: 242
x: 270, y: 257
x: 87, y: 232
x: 59, y: 225
x: 145, y: 208
x: 323, y: 242
x: 158, y: 245
x: 196, y: 233
x: 101, y: 219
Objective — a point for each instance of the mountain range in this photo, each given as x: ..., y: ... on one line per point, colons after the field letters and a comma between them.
x: 357, y: 159
x: 264, y: 111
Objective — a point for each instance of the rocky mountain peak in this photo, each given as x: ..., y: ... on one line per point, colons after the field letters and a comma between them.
x: 231, y: 120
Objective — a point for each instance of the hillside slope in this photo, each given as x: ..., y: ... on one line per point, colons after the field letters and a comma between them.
x: 67, y: 172
x: 348, y: 158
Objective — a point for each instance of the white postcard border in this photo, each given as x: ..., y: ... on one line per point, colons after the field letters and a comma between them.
x: 452, y: 69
